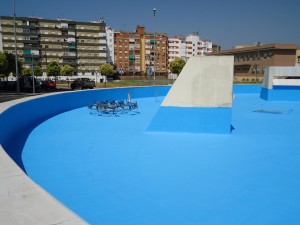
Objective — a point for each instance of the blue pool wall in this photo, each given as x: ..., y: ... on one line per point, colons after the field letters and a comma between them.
x: 197, y: 119
x: 192, y: 120
x: 281, y: 93
x: 246, y: 89
x: 19, y: 120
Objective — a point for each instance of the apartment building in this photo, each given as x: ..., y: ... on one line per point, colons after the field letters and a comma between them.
x: 110, y: 50
x: 191, y: 45
x: 176, y: 48
x: 197, y: 47
x: 251, y: 61
x: 137, y: 52
x: 40, y: 41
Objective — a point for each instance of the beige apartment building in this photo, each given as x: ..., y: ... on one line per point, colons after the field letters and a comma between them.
x: 136, y: 52
x: 251, y: 61
x: 81, y: 45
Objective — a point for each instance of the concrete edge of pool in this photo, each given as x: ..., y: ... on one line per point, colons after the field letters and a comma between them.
x: 22, y: 200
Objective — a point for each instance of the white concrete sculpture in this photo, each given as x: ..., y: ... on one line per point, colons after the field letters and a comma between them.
x: 200, y: 99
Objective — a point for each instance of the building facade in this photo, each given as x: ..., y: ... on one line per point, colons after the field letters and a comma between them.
x: 191, y: 45
x: 81, y: 45
x: 298, y: 57
x: 251, y: 61
x: 110, y: 50
x: 138, y: 52
x: 197, y: 47
x: 176, y: 48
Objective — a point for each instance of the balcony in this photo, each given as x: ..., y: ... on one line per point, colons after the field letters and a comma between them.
x: 132, y: 57
x: 70, y: 62
x: 72, y: 47
x: 173, y: 45
x: 30, y: 41
x: 68, y: 55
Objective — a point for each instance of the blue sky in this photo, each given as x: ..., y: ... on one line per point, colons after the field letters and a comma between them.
x: 227, y: 23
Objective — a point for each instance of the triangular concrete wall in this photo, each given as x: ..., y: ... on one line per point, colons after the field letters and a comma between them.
x: 200, y: 100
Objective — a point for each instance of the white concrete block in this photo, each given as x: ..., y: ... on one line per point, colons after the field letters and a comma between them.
x: 280, y: 71
x: 205, y: 81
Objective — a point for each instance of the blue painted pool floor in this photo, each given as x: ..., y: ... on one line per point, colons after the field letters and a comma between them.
x: 109, y: 170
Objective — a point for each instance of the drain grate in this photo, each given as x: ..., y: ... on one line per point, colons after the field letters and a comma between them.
x: 270, y: 111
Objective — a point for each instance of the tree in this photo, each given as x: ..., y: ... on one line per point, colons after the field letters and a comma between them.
x: 53, y: 69
x: 8, y: 64
x: 26, y: 71
x: 67, y: 70
x: 38, y: 71
x: 3, y: 64
x: 177, y: 65
x: 12, y: 64
x: 106, y: 69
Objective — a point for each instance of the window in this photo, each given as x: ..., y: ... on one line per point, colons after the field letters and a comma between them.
x: 270, y: 55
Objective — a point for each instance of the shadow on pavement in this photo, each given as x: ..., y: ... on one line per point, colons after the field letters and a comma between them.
x: 12, y: 95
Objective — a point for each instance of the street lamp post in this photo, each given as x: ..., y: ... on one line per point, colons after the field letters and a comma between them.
x: 16, y: 55
x: 46, y: 46
x: 258, y: 58
x: 154, y: 72
x: 33, y: 86
x: 96, y: 77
